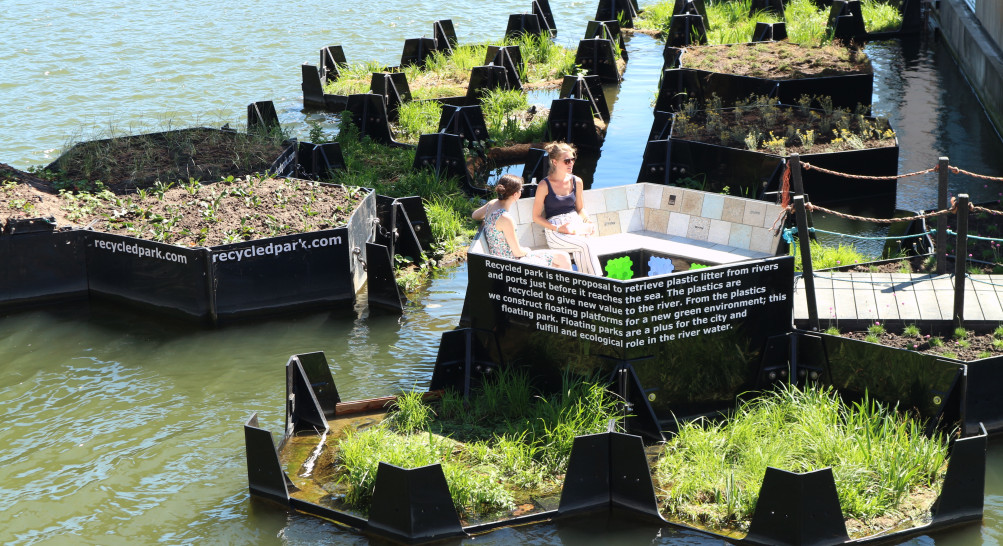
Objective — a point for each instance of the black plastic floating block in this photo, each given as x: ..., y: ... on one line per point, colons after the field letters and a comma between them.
x: 607, y: 30
x: 383, y: 290
x: 523, y: 23
x: 691, y: 7
x: 617, y: 10
x: 394, y: 88
x: 541, y: 8
x: 846, y: 21
x: 769, y: 32
x: 599, y: 58
x: 686, y: 30
x: 261, y: 116
x: 417, y: 51
x: 332, y: 60
x: 444, y: 35
x: 465, y: 121
x: 443, y: 153
x: 304, y: 411
x: 413, y: 505
x: 571, y: 121
x: 313, y: 88
x: 797, y: 509
x: 588, y: 88
x: 485, y: 78
x: 319, y: 161
x: 369, y: 114
x: 509, y: 57
x: 265, y: 476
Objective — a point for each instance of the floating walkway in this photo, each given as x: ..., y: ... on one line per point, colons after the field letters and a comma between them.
x: 898, y: 297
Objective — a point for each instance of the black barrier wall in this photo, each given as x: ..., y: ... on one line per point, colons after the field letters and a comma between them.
x: 307, y: 270
x: 41, y: 266
x: 694, y: 338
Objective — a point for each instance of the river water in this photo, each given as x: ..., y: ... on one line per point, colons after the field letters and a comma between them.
x: 122, y: 428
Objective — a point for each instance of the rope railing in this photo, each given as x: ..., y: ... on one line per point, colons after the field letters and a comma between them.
x: 809, y: 166
x: 800, y: 207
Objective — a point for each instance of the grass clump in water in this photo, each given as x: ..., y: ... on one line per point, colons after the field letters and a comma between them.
x: 710, y: 473
x: 504, y: 445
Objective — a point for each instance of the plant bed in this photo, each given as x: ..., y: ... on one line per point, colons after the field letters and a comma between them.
x: 954, y: 344
x: 782, y: 70
x: 239, y: 247
x: 806, y: 20
x: 121, y: 163
x: 887, y: 473
x: 447, y: 75
x: 704, y: 144
x: 457, y: 478
x: 504, y: 451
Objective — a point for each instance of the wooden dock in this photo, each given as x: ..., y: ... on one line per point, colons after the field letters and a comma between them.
x: 848, y: 299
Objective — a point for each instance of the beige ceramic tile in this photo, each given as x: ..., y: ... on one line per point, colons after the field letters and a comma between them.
x: 631, y: 220
x: 656, y: 220
x: 720, y: 231
x: 595, y: 201
x: 609, y: 223
x: 699, y: 228
x: 672, y: 198
x: 635, y: 195
x: 679, y: 224
x: 761, y: 240
x: 734, y: 210
x: 755, y: 214
x: 616, y: 198
x: 772, y: 213
x: 652, y: 195
x: 692, y: 203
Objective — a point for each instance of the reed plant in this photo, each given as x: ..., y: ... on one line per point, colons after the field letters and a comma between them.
x: 711, y: 472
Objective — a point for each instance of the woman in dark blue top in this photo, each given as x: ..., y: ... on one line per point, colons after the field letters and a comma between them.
x: 559, y: 207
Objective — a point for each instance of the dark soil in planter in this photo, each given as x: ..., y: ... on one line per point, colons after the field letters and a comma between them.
x: 978, y: 345
x: 193, y: 214
x: 777, y: 60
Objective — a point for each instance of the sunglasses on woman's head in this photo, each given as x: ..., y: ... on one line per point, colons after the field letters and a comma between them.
x: 569, y: 160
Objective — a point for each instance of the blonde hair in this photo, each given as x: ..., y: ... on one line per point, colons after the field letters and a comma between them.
x: 556, y: 149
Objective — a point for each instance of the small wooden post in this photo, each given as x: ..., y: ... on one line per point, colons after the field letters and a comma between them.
x: 796, y: 182
x: 961, y: 261
x: 801, y: 219
x: 941, y: 244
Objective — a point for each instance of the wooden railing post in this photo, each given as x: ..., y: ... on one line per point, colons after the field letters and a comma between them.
x: 801, y: 219
x: 961, y: 261
x: 940, y: 247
